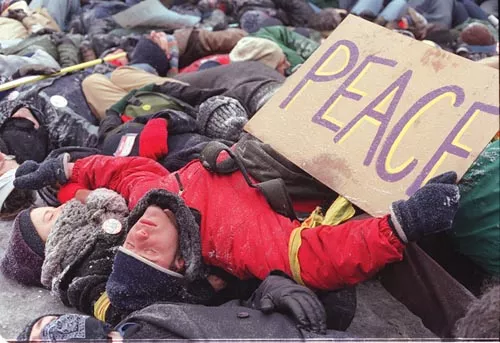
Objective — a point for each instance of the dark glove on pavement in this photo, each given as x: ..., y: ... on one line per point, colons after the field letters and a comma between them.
x: 280, y: 294
x: 34, y: 69
x: 32, y: 175
x: 431, y: 209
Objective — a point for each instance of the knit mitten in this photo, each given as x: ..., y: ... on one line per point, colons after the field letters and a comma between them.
x: 431, y: 209
x: 69, y: 53
x: 222, y: 117
x: 32, y: 175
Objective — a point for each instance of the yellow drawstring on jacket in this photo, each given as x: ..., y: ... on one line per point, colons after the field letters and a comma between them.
x: 101, y: 306
x: 340, y: 211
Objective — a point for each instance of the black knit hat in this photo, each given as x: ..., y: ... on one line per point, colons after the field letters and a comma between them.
x: 24, y: 255
x: 189, y: 230
x: 21, y: 139
x: 148, y: 52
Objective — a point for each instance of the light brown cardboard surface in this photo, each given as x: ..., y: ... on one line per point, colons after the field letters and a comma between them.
x: 438, y: 104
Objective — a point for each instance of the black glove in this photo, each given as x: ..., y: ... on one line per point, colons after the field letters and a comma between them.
x: 279, y: 293
x: 32, y: 175
x: 34, y: 69
x: 431, y: 209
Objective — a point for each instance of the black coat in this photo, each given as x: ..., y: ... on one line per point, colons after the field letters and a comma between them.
x: 228, y: 321
x: 67, y: 118
x: 249, y: 82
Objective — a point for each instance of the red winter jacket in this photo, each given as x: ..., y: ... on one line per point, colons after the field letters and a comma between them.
x: 240, y: 233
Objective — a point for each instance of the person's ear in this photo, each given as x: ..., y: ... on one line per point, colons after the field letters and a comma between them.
x: 179, y: 264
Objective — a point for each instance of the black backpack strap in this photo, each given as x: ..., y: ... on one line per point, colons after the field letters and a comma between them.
x: 277, y: 196
x: 273, y: 190
x: 211, y: 152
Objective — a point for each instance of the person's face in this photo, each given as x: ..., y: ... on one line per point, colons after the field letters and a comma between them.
x: 44, y: 218
x: 155, y: 238
x: 25, y: 113
x: 283, y: 66
x: 38, y: 327
x: 7, y: 162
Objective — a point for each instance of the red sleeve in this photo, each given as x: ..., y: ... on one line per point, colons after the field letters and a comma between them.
x: 331, y: 257
x: 68, y: 191
x: 132, y: 177
x: 153, y: 139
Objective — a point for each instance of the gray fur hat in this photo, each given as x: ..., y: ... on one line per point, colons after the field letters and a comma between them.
x: 189, y: 230
x: 221, y: 117
x: 80, y: 234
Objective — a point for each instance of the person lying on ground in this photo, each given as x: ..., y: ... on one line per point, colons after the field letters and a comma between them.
x: 469, y: 252
x: 172, y: 137
x: 38, y: 118
x: 379, y: 10
x: 66, y: 248
x: 47, y: 115
x: 46, y: 243
x: 295, y: 46
x: 252, y: 83
x: 185, y: 46
x: 261, y: 50
x: 279, y: 308
x: 250, y: 14
x: 12, y: 200
x: 192, y: 234
x: 54, y: 113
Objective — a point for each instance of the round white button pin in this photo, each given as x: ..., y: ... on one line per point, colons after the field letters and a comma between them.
x: 112, y: 226
x: 58, y: 101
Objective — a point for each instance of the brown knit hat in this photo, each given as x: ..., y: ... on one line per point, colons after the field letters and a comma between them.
x: 257, y: 49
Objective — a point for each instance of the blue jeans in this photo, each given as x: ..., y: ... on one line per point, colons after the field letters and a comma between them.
x: 60, y: 10
x: 490, y: 7
x: 392, y: 11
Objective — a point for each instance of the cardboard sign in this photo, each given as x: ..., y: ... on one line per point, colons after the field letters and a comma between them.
x: 374, y: 114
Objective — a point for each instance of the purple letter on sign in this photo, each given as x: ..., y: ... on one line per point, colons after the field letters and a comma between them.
x: 450, y: 145
x: 395, y: 90
x: 343, y: 91
x: 384, y: 169
x: 352, y: 58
